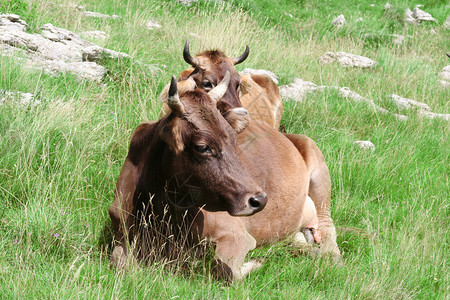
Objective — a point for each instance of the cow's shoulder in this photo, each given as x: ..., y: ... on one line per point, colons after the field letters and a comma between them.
x: 140, y: 140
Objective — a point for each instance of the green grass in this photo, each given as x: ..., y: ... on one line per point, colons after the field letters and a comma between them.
x: 59, y: 160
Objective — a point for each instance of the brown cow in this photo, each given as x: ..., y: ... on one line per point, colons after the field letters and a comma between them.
x: 196, y: 146
x: 257, y: 93
x: 209, y: 69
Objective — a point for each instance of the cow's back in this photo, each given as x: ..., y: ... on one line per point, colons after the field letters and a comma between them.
x: 276, y: 165
x: 261, y: 97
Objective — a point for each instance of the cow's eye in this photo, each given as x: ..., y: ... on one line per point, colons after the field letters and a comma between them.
x: 203, y: 149
x: 207, y: 85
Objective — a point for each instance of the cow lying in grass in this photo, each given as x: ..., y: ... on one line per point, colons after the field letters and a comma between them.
x: 263, y: 102
x: 244, y: 190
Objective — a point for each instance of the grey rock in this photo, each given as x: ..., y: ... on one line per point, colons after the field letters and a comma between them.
x: 187, y: 2
x: 433, y: 32
x: 14, y: 21
x: 55, y: 50
x: 95, y: 53
x: 152, y: 25
x: 409, y: 18
x: 297, y: 90
x: 444, y: 76
x: 347, y: 60
x: 365, y: 145
x: 249, y: 71
x: 417, y: 15
x: 447, y: 23
x: 421, y: 15
x: 94, y: 35
x: 432, y: 115
x: 339, y: 21
x: 407, y: 104
x: 387, y: 6
x: 99, y: 15
x: 23, y: 98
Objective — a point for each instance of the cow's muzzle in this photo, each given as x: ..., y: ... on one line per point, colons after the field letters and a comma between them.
x: 254, y: 204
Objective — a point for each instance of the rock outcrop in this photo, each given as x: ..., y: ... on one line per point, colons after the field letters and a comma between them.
x: 56, y: 50
x: 347, y: 60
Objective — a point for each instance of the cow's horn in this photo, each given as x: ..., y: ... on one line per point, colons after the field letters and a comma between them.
x: 239, y: 59
x: 187, y: 56
x: 218, y: 92
x: 173, y: 100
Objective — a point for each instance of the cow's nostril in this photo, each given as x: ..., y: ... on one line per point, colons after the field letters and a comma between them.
x: 254, y: 202
x: 258, y: 201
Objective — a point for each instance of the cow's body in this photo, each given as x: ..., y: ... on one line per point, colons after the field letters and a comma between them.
x: 269, y: 162
x: 260, y: 96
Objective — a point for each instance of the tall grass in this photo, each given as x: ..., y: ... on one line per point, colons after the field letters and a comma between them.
x: 60, y: 159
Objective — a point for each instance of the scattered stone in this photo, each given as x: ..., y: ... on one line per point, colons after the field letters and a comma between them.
x: 405, y: 103
x: 347, y: 60
x: 248, y: 71
x: 55, y: 50
x: 409, y: 18
x: 339, y: 21
x: 432, y: 115
x: 94, y: 35
x: 187, y: 2
x: 152, y: 25
x: 417, y: 15
x: 433, y: 32
x: 365, y: 145
x: 13, y: 20
x: 297, y: 90
x: 387, y: 6
x: 99, y: 15
x: 288, y: 15
x: 421, y: 15
x: 359, y: 19
x: 95, y: 53
x: 423, y: 109
x: 372, y: 5
x: 444, y: 77
x: 447, y: 23
x: 419, y: 5
x: 24, y: 98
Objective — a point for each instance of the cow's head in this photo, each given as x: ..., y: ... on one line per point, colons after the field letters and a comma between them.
x: 202, y: 161
x: 210, y: 68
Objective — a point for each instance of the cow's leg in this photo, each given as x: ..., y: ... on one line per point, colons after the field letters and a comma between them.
x: 319, y: 191
x: 232, y: 242
x: 231, y: 249
x: 121, y: 215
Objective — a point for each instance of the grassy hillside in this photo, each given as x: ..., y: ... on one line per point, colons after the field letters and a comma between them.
x: 60, y: 159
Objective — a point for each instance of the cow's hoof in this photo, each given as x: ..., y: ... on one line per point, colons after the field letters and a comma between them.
x: 251, y: 266
x: 118, y: 258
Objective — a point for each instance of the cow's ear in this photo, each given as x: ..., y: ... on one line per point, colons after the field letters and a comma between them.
x: 238, y: 118
x: 246, y: 85
x: 172, y: 135
x: 183, y: 86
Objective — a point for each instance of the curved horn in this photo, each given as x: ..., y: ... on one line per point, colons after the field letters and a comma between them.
x: 187, y: 56
x: 218, y: 92
x: 173, y: 100
x: 239, y: 59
